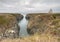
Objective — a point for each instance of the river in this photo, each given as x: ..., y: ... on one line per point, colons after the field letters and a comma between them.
x: 23, y: 27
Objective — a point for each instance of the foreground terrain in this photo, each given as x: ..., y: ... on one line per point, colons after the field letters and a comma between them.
x: 35, y: 38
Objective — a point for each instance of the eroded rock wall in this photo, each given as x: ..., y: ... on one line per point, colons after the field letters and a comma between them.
x: 9, y: 25
x: 44, y: 23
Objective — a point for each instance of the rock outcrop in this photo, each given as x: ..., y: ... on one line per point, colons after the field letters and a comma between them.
x: 9, y: 25
x: 44, y: 23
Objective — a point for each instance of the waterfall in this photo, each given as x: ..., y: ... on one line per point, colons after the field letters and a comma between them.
x: 23, y: 27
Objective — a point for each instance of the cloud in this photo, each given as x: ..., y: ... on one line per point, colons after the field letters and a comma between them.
x: 26, y: 6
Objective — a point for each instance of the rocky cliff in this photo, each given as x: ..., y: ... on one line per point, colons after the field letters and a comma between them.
x: 44, y: 23
x: 9, y: 25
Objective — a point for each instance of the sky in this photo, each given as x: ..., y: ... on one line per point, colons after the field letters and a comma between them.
x: 29, y: 6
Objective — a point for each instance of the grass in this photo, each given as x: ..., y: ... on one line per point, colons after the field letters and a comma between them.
x: 34, y: 38
x: 3, y: 20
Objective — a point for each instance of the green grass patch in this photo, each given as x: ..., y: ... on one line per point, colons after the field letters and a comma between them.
x: 3, y: 20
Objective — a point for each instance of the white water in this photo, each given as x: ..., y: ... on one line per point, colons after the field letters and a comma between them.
x: 23, y: 27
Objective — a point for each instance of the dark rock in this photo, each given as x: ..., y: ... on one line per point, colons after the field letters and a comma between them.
x: 27, y: 17
x: 18, y: 17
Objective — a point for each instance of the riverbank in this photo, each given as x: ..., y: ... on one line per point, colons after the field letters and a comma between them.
x: 9, y: 25
x: 44, y: 23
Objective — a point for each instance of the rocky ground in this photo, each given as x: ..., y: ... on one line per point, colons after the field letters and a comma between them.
x: 44, y: 23
x: 9, y: 25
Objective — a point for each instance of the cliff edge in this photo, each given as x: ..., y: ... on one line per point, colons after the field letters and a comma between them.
x: 44, y: 23
x: 9, y: 25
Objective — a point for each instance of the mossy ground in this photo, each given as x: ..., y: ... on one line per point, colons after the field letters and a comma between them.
x: 3, y: 20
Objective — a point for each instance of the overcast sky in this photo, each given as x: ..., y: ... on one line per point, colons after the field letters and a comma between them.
x: 28, y: 6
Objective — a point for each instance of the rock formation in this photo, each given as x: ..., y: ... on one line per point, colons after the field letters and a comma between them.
x: 9, y: 25
x: 43, y: 23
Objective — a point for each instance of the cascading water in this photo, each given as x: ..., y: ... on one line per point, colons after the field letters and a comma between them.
x: 23, y: 27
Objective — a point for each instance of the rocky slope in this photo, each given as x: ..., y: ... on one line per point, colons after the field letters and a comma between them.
x: 44, y: 23
x: 9, y: 25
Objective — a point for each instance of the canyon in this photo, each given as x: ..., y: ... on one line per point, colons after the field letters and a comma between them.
x: 30, y: 26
